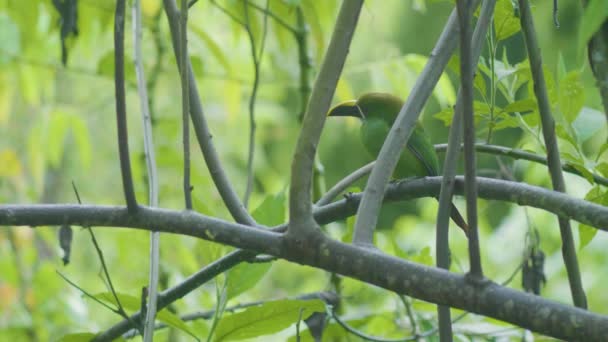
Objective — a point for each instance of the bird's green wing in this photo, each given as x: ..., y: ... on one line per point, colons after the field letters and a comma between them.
x: 422, y: 148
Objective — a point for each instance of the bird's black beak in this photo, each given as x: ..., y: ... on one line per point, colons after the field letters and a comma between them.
x: 347, y: 108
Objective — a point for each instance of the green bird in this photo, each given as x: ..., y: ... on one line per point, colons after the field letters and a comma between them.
x: 377, y: 112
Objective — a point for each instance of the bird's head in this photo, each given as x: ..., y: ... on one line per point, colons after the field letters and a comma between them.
x: 370, y: 105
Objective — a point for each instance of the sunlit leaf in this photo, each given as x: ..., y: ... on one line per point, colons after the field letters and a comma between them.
x: 602, y: 168
x: 506, y: 23
x: 445, y: 115
x: 268, y: 318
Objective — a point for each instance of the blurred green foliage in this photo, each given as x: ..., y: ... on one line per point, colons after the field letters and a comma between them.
x: 57, y: 125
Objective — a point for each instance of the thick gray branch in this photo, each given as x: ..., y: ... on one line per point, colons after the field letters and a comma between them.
x: 426, y: 283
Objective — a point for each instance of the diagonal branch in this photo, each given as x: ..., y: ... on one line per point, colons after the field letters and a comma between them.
x: 300, y: 203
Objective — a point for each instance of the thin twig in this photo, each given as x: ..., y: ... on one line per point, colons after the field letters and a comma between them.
x: 274, y: 16
x: 554, y: 163
x: 120, y: 310
x: 121, y: 111
x: 84, y: 292
x: 523, y: 155
x: 256, y: 81
x: 344, y: 183
x: 151, y: 169
x: 410, y: 314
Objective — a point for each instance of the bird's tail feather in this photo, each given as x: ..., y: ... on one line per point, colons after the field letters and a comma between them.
x: 458, y: 219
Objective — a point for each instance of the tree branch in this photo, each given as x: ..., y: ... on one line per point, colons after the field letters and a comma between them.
x: 121, y: 107
x: 426, y: 283
x: 554, y: 163
x: 151, y: 169
x: 300, y: 203
x: 449, y: 165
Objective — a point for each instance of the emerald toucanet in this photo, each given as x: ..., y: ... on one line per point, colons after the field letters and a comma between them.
x: 377, y: 112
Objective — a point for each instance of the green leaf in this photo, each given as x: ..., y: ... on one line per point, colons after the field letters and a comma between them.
x: 602, y: 168
x: 245, y: 276
x: 506, y: 23
x: 571, y: 95
x: 445, y: 115
x: 594, y: 15
x: 481, y: 108
x: 175, y: 321
x: 480, y: 83
x: 272, y: 210
x: 521, y: 106
x: 268, y: 318
x: 506, y: 121
x: 587, y: 233
x: 532, y: 119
